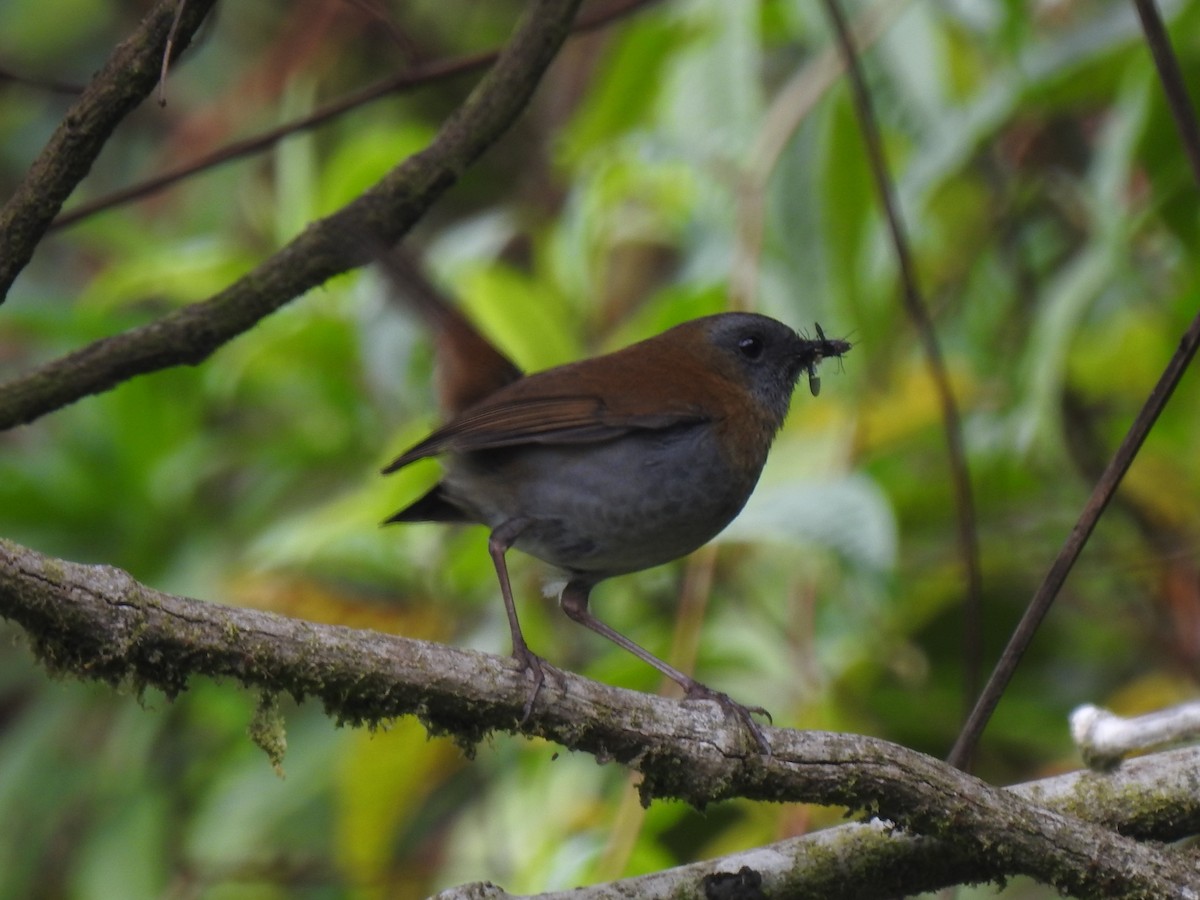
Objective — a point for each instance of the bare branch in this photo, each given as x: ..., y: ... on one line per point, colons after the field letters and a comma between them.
x: 1114, y: 472
x: 98, y: 622
x: 326, y: 248
x: 419, y: 76
x: 49, y: 85
x: 1104, y: 738
x: 125, y: 81
x: 918, y: 313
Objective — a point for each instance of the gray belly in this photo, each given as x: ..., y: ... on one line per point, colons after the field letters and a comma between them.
x: 605, y: 508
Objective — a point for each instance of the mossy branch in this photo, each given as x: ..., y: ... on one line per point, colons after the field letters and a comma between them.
x: 98, y: 622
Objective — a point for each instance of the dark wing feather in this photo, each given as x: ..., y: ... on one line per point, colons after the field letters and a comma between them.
x: 536, y: 420
x: 650, y: 385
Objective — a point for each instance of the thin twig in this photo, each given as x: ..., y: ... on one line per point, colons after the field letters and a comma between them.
x: 1173, y: 83
x: 417, y: 77
x: 789, y: 108
x: 1110, y: 479
x: 168, y: 52
x: 45, y: 84
x: 968, y: 539
x: 327, y: 247
x: 127, y: 78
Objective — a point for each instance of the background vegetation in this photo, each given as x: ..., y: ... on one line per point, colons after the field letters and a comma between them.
x: 691, y: 157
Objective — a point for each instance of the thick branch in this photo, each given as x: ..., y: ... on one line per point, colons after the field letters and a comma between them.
x: 97, y: 622
x: 326, y: 248
x: 125, y: 81
x: 839, y: 862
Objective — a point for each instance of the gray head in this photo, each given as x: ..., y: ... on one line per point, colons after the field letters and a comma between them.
x: 768, y: 356
x: 763, y: 354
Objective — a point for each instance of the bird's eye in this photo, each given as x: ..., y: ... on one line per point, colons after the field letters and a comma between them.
x: 751, y: 347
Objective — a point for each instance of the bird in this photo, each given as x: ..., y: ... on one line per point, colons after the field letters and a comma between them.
x: 609, y: 465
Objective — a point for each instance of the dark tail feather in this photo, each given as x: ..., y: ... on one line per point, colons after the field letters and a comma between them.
x: 433, y: 507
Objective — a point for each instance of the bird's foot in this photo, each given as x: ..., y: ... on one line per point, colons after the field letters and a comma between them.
x: 744, y: 714
x: 537, y: 668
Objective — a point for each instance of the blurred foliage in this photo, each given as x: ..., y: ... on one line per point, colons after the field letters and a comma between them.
x: 1051, y: 212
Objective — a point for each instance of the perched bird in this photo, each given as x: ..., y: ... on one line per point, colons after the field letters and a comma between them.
x: 609, y: 465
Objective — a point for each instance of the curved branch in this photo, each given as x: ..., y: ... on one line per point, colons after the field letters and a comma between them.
x: 98, y: 622
x: 842, y: 862
x: 420, y: 76
x: 125, y: 81
x: 918, y: 313
x: 327, y: 247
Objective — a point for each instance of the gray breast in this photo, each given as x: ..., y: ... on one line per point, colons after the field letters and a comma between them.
x: 610, y: 507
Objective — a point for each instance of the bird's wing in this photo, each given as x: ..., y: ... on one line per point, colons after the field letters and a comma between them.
x: 540, y: 420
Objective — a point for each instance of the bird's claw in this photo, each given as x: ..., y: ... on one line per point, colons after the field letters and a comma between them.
x: 745, y: 714
x: 536, y: 666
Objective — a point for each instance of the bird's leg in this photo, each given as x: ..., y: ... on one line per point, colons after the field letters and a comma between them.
x: 574, y: 602
x: 498, y: 543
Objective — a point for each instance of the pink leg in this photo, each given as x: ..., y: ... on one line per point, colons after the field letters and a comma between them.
x: 574, y: 602
x: 499, y: 542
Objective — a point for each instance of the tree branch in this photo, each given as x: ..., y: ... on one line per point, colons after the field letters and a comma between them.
x: 125, y: 81
x: 417, y: 77
x: 918, y: 313
x: 327, y: 247
x: 98, y: 622
x: 1113, y: 474
x: 843, y: 862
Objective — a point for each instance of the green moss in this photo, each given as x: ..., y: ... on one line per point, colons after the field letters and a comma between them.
x: 52, y: 570
x: 268, y: 731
